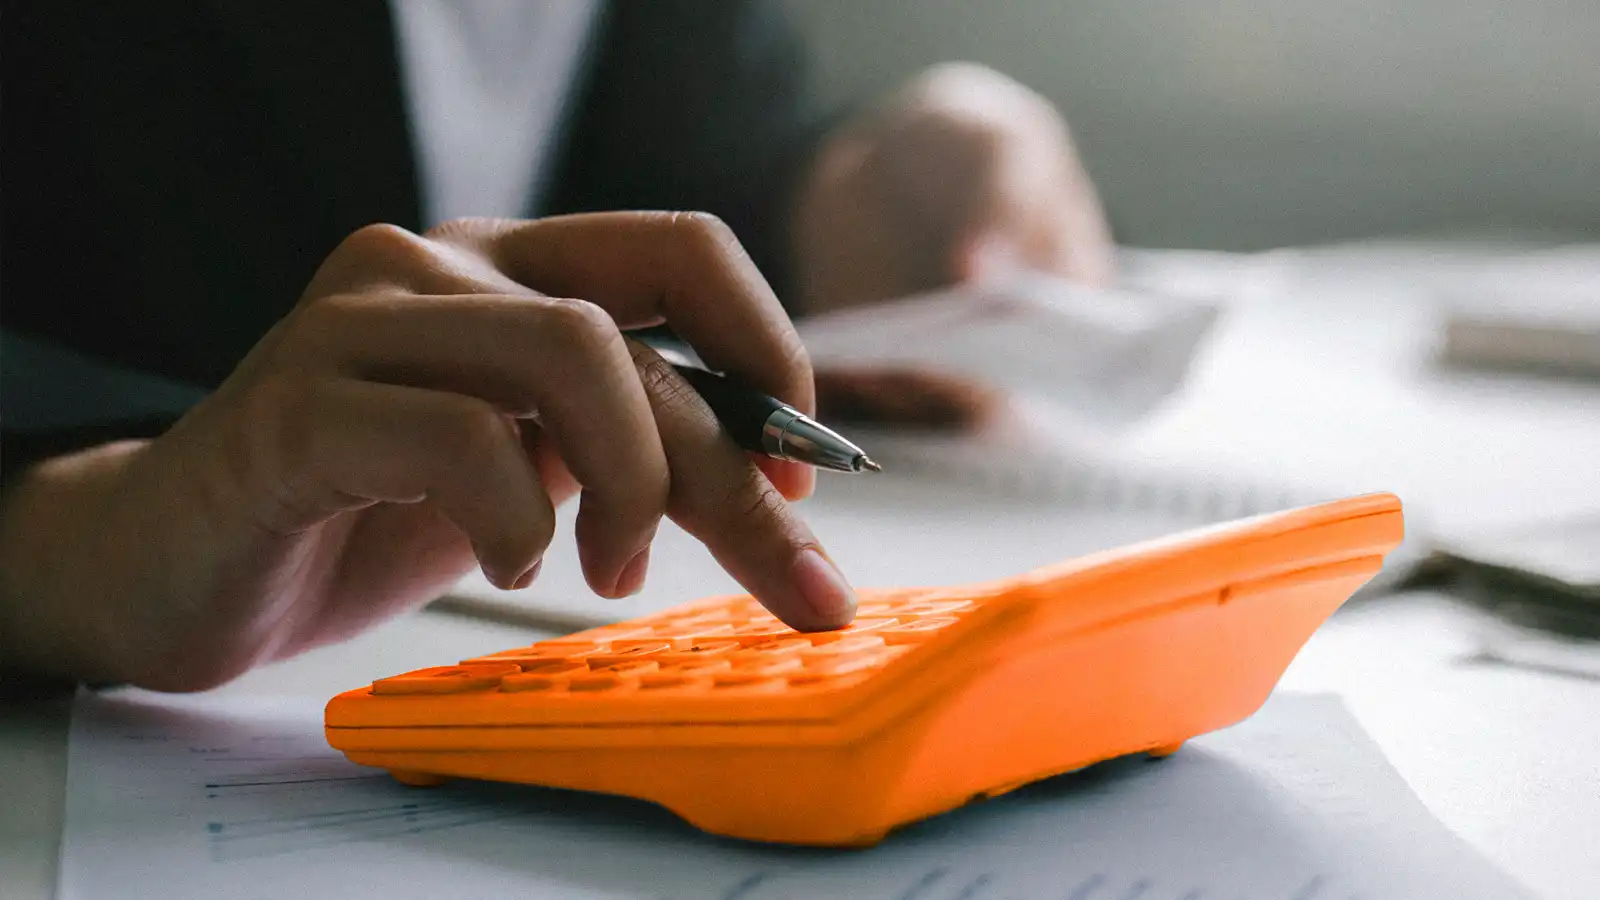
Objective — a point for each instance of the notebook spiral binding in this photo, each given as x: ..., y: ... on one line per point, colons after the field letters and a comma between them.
x: 1191, y: 499
x: 1105, y: 486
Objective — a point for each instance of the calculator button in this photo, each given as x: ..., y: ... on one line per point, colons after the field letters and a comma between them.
x: 916, y: 631
x: 700, y: 650
x: 764, y: 665
x: 672, y: 679
x: 535, y: 681
x: 831, y: 667
x: 680, y: 624
x: 682, y: 639
x: 859, y: 626
x: 528, y: 662
x: 568, y: 648
x: 775, y: 647
x: 651, y: 643
x: 525, y: 655
x: 849, y: 662
x: 704, y: 665
x: 603, y: 681
x: 748, y: 681
x: 622, y: 631
x: 847, y: 647
x: 632, y: 668
x: 756, y: 633
x: 623, y: 651
x: 458, y: 679
x: 552, y: 666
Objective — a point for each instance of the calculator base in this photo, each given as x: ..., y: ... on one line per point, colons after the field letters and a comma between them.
x: 993, y: 732
x: 1129, y: 652
x: 414, y: 778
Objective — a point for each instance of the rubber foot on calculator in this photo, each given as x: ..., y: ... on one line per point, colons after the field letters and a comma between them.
x: 1165, y: 750
x: 418, y: 779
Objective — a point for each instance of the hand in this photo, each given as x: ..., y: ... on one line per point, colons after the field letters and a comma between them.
x: 906, y: 399
x: 423, y: 408
x: 962, y: 174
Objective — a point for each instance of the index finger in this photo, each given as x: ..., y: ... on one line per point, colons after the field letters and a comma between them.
x: 685, y: 269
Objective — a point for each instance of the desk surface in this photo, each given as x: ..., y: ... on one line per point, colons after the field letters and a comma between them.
x: 1505, y: 756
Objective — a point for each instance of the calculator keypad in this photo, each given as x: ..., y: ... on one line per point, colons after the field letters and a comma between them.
x: 733, y: 647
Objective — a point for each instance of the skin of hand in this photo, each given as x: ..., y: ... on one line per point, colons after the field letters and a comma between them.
x: 422, y: 409
x: 906, y: 399
x: 960, y: 175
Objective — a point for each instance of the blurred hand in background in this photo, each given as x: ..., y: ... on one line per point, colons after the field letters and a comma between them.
x: 961, y: 175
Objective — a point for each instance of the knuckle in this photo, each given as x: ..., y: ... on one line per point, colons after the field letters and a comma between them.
x: 282, y: 401
x: 701, y: 224
x: 706, y: 230
x: 457, y: 228
x: 315, y: 322
x: 272, y: 435
x: 475, y: 432
x: 476, y: 237
x: 373, y: 254
x: 384, y: 242
x: 662, y: 384
x: 748, y: 499
x: 579, y: 325
x: 758, y: 504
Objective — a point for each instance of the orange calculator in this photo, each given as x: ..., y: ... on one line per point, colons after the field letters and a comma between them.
x: 932, y: 698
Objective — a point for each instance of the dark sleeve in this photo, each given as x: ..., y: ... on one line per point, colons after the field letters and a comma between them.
x: 55, y: 400
x: 154, y: 224
x: 694, y: 105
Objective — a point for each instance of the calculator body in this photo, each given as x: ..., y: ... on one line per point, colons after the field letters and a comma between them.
x: 934, y: 697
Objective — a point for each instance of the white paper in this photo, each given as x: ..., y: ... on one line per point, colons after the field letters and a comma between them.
x: 1100, y: 357
x: 190, y: 798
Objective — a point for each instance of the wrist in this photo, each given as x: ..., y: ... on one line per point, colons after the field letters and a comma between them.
x: 54, y: 600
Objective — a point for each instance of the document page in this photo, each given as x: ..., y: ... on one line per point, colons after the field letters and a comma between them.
x: 178, y: 798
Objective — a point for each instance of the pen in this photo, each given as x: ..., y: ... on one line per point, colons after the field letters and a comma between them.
x: 763, y: 424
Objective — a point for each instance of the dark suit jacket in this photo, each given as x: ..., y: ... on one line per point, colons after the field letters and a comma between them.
x: 173, y: 172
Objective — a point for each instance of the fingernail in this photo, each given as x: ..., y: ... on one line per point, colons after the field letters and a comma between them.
x: 824, y: 588
x: 631, y: 581
x: 526, y: 578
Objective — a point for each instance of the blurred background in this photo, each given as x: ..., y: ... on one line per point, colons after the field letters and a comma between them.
x: 1243, y: 124
x: 1392, y: 205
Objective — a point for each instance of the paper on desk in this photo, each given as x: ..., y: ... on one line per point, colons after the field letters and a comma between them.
x: 178, y: 798
x: 1538, y: 311
x: 1104, y: 357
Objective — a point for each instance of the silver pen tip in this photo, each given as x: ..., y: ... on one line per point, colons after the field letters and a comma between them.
x: 869, y: 465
